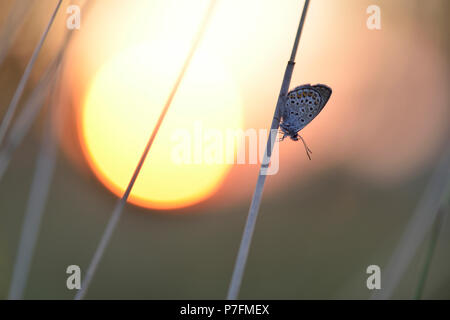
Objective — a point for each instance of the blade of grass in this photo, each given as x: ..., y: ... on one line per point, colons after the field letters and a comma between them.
x: 23, y: 81
x: 436, y: 232
x: 32, y: 106
x: 44, y: 167
x: 115, y: 216
x: 26, y: 117
x: 244, y: 248
x: 12, y: 25
x: 36, y: 203
x: 420, y: 222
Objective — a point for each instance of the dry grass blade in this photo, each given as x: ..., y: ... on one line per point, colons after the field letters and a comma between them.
x: 244, y: 248
x: 31, y: 109
x: 436, y: 232
x: 420, y: 223
x: 44, y: 167
x: 23, y: 81
x: 35, y: 206
x: 115, y: 216
x: 12, y: 25
x: 26, y: 118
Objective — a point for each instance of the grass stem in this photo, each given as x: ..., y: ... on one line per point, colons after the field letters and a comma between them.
x: 12, y: 25
x: 23, y: 81
x: 244, y: 248
x: 36, y: 204
x: 420, y: 223
x: 26, y: 118
x: 44, y: 167
x: 117, y: 212
x: 435, y: 233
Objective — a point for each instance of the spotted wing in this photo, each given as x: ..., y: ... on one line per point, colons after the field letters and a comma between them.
x: 305, y: 102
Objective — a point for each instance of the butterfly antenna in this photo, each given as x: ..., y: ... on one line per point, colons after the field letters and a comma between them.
x: 308, y: 150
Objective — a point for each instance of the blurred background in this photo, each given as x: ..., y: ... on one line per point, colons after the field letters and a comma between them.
x: 321, y: 223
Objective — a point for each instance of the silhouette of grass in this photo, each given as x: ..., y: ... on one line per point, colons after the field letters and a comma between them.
x: 7, y: 118
x: 435, y: 233
x: 44, y: 167
x: 40, y: 187
x: 420, y: 223
x: 12, y: 25
x: 244, y: 248
x: 115, y: 216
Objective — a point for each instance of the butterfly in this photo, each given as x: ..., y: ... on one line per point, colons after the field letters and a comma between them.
x: 301, y: 106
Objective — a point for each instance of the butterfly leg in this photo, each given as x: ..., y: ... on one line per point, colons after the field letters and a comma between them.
x: 284, y: 136
x: 308, y: 151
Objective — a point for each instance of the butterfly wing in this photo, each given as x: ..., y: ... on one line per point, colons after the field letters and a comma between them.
x: 304, y: 103
x: 325, y: 93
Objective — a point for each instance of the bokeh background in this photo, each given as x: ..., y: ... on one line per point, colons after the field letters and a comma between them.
x: 322, y: 222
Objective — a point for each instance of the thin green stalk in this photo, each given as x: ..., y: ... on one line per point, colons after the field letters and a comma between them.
x: 244, y: 248
x: 23, y: 81
x: 415, y: 231
x: 436, y: 232
x: 117, y: 212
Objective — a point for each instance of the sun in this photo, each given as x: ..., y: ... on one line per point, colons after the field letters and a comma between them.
x: 120, y: 110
